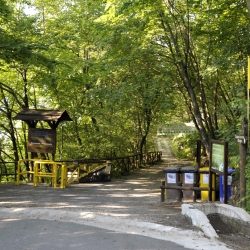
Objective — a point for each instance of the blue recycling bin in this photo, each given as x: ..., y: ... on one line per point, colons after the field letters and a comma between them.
x: 229, y: 182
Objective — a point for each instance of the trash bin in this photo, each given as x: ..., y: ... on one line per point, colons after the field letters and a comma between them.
x: 229, y: 182
x: 189, y: 178
x: 104, y: 174
x: 172, y: 178
x: 204, y: 182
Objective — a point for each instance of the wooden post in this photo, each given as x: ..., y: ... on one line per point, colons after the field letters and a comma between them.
x: 163, y: 191
x: 198, y: 154
x: 210, y: 175
x: 179, y: 197
x: 194, y: 193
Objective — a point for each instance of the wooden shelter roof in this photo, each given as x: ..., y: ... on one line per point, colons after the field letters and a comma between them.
x: 52, y: 117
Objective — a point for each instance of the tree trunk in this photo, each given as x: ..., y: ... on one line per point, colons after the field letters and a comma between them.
x: 186, y: 64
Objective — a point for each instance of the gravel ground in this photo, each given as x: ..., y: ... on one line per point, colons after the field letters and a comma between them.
x: 135, y: 196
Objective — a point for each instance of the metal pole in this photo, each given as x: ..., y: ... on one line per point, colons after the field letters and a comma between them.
x: 248, y: 87
x: 243, y: 153
x: 225, y: 172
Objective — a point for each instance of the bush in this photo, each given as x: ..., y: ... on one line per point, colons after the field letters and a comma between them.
x: 183, y: 146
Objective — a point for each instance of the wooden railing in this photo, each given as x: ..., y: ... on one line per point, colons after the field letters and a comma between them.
x: 123, y: 165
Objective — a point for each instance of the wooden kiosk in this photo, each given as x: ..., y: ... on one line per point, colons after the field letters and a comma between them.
x: 41, y: 141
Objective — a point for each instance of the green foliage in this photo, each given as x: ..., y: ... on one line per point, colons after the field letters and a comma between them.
x: 183, y: 146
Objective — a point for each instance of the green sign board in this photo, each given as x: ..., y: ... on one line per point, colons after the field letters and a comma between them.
x: 218, y: 165
x: 218, y: 156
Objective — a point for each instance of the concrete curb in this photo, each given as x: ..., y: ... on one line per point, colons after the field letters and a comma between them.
x: 227, y: 210
x: 199, y: 219
x: 198, y: 212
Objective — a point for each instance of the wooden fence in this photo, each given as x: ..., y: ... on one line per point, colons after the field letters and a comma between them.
x: 123, y: 165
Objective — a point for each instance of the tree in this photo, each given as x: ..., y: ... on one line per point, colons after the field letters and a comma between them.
x: 189, y: 41
x: 119, y: 67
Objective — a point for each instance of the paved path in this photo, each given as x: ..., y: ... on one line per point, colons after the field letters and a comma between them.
x: 30, y: 234
x: 121, y: 214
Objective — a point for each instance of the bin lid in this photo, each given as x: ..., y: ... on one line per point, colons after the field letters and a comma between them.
x: 171, y: 169
x: 229, y: 171
x: 188, y: 170
x: 203, y: 169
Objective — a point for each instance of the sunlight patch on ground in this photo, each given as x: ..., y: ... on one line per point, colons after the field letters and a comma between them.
x: 115, y: 189
x: 133, y: 195
x: 14, y: 202
x: 133, y: 182
x: 18, y: 209
x: 9, y: 220
x: 139, y: 182
x: 81, y: 198
x: 87, y: 215
x: 69, y: 195
x: 116, y: 215
x: 141, y: 189
x: 80, y: 185
x: 112, y: 206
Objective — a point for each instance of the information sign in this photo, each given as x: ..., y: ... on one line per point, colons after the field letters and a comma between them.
x: 218, y: 157
x: 42, y: 140
x: 240, y: 139
x: 218, y: 164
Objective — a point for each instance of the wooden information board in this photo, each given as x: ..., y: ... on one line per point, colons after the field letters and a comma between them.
x: 42, y: 140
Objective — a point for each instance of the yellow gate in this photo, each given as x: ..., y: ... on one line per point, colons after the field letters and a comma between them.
x: 66, y: 173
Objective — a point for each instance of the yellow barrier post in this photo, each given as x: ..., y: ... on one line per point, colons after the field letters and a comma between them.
x: 52, y: 175
x: 54, y: 167
x: 35, y: 174
x: 18, y: 172
x: 63, y: 177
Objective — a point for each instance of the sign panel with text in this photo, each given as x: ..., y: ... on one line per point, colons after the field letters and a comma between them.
x: 218, y: 156
x: 42, y: 140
